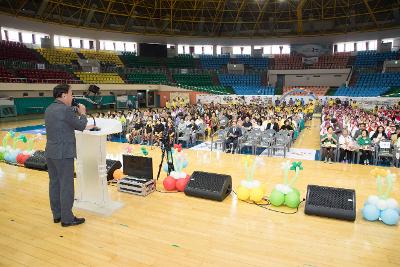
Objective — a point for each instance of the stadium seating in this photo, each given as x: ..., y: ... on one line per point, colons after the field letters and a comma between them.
x: 181, y: 61
x: 317, y: 90
x: 234, y: 80
x: 254, y: 62
x: 147, y: 78
x: 214, y: 62
x: 58, y: 56
x: 373, y: 58
x: 46, y: 76
x: 336, y: 61
x: 193, y: 79
x: 98, y: 78
x: 17, y: 51
x: 5, y: 75
x: 378, y: 79
x: 287, y: 62
x: 132, y: 61
x: 254, y: 90
x: 361, y: 91
x: 103, y: 57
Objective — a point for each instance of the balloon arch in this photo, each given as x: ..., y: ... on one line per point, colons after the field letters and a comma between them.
x: 298, y: 90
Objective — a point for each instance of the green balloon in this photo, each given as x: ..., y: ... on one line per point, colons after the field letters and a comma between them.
x: 292, y: 200
x: 276, y: 198
x: 296, y: 191
x: 1, y: 155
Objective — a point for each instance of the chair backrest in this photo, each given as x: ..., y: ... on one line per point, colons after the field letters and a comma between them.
x: 269, y: 132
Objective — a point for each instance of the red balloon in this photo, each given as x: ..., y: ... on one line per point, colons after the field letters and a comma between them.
x: 169, y: 183
x: 19, y: 158
x: 181, y: 184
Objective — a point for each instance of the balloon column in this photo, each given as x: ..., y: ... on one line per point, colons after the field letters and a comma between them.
x: 23, y: 156
x: 381, y: 206
x: 286, y: 194
x: 178, y: 179
x: 5, y: 148
x: 250, y: 189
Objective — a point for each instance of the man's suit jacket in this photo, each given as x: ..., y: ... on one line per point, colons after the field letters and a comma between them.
x: 237, y: 132
x: 274, y: 127
x: 61, y: 122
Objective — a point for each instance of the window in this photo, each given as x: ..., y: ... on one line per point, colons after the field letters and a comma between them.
x: 241, y: 50
x: 130, y: 47
x: 76, y: 43
x: 13, y: 36
x: 183, y: 49
x: 203, y: 49
x: 119, y: 46
x: 27, y: 37
x: 64, y: 41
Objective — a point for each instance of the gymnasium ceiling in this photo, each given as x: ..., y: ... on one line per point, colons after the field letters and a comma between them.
x: 225, y: 18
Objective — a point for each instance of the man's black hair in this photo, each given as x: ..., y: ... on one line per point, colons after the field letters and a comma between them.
x: 60, y: 89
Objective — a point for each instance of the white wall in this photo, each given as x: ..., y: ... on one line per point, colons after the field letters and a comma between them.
x: 33, y: 89
x: 310, y: 77
x: 55, y: 28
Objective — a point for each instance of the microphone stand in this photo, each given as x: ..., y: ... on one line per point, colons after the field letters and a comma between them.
x: 95, y: 128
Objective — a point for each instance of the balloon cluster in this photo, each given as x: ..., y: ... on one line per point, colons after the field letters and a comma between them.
x: 286, y: 194
x: 11, y: 153
x: 249, y: 188
x: 24, y: 155
x: 143, y: 151
x: 381, y: 206
x: 177, y: 179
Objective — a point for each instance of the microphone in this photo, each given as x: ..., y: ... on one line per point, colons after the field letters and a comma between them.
x: 95, y: 128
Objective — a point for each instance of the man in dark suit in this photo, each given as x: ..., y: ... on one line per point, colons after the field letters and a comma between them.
x: 61, y: 122
x: 273, y: 125
x: 233, y: 135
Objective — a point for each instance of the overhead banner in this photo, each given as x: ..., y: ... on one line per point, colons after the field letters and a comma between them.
x: 310, y: 50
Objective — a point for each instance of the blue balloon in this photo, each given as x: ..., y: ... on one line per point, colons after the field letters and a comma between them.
x: 185, y: 163
x: 165, y: 167
x: 370, y: 212
x: 390, y: 217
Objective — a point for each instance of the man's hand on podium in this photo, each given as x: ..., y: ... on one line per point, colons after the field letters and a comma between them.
x: 89, y: 127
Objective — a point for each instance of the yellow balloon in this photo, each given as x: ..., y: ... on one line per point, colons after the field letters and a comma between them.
x: 256, y: 194
x: 264, y: 187
x: 243, y: 193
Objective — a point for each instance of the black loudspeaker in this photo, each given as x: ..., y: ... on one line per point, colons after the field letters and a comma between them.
x: 209, y: 185
x: 338, y: 203
x: 111, y: 166
x: 94, y: 89
x: 37, y: 161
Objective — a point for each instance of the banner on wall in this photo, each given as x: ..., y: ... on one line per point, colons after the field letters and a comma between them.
x: 310, y: 60
x: 179, y: 97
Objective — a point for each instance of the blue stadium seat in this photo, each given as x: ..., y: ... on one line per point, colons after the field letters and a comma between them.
x: 372, y: 58
x: 214, y: 62
x: 361, y: 91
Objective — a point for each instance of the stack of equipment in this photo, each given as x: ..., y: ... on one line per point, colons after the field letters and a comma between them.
x: 37, y: 161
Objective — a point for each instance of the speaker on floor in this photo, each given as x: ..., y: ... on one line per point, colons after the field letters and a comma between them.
x: 209, y: 185
x: 111, y: 166
x: 37, y: 161
x: 338, y: 203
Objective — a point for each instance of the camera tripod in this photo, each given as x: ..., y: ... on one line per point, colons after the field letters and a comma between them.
x: 166, y: 151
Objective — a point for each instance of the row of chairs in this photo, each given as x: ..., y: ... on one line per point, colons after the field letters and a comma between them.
x: 270, y: 140
x: 380, y: 151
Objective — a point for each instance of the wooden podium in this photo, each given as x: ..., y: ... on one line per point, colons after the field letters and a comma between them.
x: 91, y: 191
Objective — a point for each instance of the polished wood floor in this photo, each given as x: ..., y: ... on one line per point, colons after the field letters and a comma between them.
x: 175, y: 230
